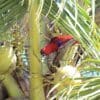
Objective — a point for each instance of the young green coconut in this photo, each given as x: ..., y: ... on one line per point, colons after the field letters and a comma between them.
x: 7, y: 57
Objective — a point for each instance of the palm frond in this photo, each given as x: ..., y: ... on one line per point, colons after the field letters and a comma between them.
x: 75, y: 20
x: 11, y: 11
x: 80, y: 28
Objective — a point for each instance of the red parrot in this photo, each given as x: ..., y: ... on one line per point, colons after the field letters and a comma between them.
x: 56, y: 48
x: 56, y: 43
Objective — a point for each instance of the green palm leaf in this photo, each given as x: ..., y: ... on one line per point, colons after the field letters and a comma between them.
x: 11, y: 11
x: 73, y: 19
x: 80, y: 28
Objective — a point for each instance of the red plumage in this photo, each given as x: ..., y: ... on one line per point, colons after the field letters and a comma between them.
x: 55, y: 43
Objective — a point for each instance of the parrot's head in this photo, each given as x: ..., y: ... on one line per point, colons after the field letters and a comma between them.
x: 49, y: 48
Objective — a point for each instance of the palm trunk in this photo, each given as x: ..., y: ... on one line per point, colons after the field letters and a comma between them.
x: 36, y: 80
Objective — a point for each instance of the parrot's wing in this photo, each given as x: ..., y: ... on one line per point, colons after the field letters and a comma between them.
x: 61, y: 51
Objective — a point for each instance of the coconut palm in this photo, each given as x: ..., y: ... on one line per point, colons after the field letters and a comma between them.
x: 72, y: 19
